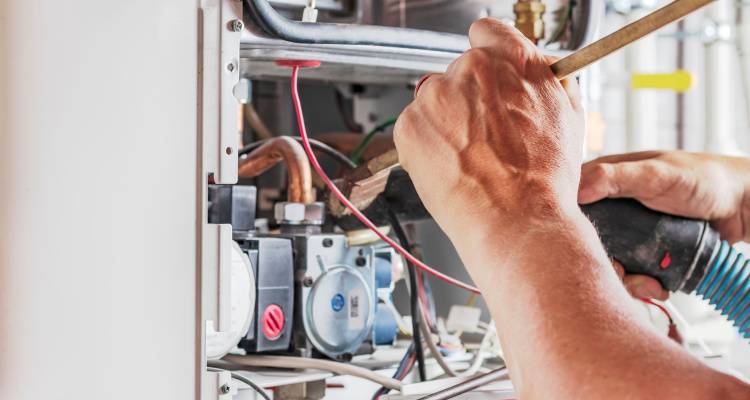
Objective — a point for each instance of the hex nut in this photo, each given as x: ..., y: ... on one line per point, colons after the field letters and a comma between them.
x: 299, y: 214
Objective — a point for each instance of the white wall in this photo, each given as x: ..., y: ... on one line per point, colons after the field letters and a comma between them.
x: 98, y: 199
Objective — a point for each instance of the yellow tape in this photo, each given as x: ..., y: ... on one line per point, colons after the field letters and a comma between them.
x: 679, y: 81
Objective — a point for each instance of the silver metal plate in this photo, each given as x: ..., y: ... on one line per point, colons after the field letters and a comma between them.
x: 339, y: 311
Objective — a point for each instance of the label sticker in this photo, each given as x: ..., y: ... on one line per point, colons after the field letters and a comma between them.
x: 357, y: 309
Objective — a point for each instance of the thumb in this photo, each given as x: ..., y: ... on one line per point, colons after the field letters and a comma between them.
x: 626, y: 179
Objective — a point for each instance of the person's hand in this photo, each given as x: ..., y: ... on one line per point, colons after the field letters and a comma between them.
x: 702, y: 186
x: 497, y: 137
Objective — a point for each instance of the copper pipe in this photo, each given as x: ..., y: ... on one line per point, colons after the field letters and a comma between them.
x: 256, y: 122
x: 272, y: 152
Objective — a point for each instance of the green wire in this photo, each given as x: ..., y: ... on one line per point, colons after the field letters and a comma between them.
x: 357, y: 153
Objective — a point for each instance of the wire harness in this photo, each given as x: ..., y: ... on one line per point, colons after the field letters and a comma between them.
x: 295, y: 65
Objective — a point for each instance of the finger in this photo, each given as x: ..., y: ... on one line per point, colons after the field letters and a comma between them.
x: 507, y: 41
x: 491, y: 32
x: 626, y: 157
x: 625, y: 179
x: 422, y: 83
x: 642, y: 286
x: 619, y: 269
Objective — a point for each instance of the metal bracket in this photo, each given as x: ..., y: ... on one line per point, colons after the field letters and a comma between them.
x: 217, y: 274
x: 220, y: 28
x: 219, y: 72
x: 218, y: 386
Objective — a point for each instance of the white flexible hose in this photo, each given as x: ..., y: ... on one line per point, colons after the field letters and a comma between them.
x: 311, y: 363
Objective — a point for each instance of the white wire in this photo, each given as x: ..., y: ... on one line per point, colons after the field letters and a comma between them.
x: 476, y: 363
x: 677, y: 315
x: 312, y: 363
x: 402, y: 326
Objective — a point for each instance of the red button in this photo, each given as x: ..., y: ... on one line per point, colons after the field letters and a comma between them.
x: 666, y: 261
x: 273, y: 322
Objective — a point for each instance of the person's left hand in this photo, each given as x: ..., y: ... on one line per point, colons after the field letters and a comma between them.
x: 497, y: 137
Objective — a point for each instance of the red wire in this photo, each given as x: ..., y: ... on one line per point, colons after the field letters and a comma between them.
x: 358, y: 214
x: 660, y: 307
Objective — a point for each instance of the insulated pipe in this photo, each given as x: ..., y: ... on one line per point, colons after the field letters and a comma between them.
x: 276, y: 25
x: 272, y: 152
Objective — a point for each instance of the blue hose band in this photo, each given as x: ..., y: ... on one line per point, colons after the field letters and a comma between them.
x: 726, y: 286
x: 730, y: 281
x: 742, y: 290
x: 723, y: 249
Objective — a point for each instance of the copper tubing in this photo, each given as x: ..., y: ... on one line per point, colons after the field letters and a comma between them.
x: 272, y: 152
x: 253, y: 119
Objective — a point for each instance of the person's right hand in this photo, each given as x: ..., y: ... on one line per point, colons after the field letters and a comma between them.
x: 701, y: 186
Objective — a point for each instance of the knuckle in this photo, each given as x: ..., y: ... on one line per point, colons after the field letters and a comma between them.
x: 600, y: 172
x: 652, y: 169
x: 475, y: 60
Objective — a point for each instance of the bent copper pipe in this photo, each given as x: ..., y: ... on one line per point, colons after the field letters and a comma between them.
x: 285, y: 149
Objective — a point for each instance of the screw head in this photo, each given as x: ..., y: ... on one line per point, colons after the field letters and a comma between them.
x: 307, y: 281
x: 327, y: 242
x: 230, y: 67
x: 237, y: 25
x: 360, y: 261
x: 225, y: 389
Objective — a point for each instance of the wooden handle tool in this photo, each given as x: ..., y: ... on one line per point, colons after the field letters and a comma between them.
x: 623, y: 37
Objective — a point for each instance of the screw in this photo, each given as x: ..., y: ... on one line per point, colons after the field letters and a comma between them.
x: 237, y: 25
x: 327, y: 242
x: 225, y: 389
x: 230, y: 67
x: 307, y: 281
x: 360, y: 261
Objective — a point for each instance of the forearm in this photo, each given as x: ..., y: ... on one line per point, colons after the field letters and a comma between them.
x: 567, y: 325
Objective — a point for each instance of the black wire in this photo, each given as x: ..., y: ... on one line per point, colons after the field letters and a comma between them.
x: 316, y: 144
x: 347, y: 118
x: 400, y: 371
x: 414, y: 296
x: 246, y: 381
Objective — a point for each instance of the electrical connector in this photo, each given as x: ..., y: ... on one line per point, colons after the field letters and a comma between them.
x: 310, y: 13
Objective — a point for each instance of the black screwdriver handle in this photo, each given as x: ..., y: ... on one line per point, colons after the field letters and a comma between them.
x: 674, y: 250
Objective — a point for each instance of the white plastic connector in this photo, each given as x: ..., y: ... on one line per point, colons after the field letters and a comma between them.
x: 310, y: 14
x: 463, y: 318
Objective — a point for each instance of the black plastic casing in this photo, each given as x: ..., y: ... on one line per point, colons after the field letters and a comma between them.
x: 272, y: 260
x: 676, y: 251
x: 232, y: 204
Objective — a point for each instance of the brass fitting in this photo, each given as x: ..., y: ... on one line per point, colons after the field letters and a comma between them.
x: 529, y: 18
